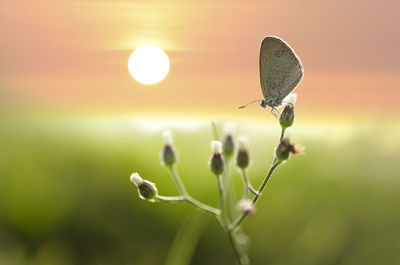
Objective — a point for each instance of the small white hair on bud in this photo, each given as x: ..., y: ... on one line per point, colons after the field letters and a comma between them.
x: 136, y: 179
x: 216, y: 147
x: 229, y: 128
x: 290, y: 99
x: 167, y: 137
x: 243, y: 141
x: 247, y: 206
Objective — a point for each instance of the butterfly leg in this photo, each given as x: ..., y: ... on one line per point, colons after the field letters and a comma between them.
x: 275, y: 112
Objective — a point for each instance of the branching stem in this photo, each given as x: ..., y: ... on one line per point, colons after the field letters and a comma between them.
x: 229, y: 228
x: 190, y: 199
x: 239, y: 220
x: 247, y: 185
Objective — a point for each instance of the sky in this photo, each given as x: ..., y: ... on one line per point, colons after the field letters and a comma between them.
x: 72, y: 55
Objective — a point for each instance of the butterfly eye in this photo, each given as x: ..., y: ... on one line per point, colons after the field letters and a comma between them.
x: 263, y: 104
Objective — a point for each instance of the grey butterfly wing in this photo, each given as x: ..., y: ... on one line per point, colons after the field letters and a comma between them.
x: 280, y: 70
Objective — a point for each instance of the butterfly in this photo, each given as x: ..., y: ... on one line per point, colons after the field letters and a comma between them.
x: 280, y: 72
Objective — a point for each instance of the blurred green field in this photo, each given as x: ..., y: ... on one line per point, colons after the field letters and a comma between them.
x: 65, y: 195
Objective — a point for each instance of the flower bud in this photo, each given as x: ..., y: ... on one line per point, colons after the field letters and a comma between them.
x: 228, y: 145
x: 247, y: 207
x: 284, y: 149
x: 242, y: 160
x: 168, y: 153
x: 147, y: 190
x: 217, y: 162
x: 286, y: 118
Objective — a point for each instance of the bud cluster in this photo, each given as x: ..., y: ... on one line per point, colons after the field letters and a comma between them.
x: 222, y: 152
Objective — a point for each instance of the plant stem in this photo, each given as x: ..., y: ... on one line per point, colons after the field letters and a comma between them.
x: 215, y: 131
x: 282, y: 134
x: 239, y: 220
x: 190, y: 199
x: 247, y: 185
x: 160, y: 198
x: 265, y: 181
x: 221, y: 193
x: 241, y: 257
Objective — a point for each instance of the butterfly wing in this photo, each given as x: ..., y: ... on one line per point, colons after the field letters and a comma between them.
x: 280, y: 70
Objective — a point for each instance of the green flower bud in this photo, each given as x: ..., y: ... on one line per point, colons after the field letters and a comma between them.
x: 286, y: 118
x: 168, y: 153
x: 217, y: 161
x: 242, y: 160
x: 228, y: 146
x: 147, y: 190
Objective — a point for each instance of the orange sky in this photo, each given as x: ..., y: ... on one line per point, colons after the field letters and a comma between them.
x: 73, y: 54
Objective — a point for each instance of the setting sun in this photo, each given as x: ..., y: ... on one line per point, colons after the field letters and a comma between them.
x: 148, y: 65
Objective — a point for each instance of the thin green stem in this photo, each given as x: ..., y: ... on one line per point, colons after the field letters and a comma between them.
x: 229, y: 191
x: 225, y: 177
x: 282, y: 134
x: 265, y: 181
x: 201, y: 206
x: 239, y: 220
x: 247, y: 185
x: 215, y: 131
x: 179, y: 184
x: 240, y: 256
x: 221, y: 193
x: 160, y: 198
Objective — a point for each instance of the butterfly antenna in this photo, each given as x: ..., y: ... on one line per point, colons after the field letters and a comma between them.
x: 254, y: 101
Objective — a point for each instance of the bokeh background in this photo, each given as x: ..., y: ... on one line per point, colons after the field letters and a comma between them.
x: 75, y: 125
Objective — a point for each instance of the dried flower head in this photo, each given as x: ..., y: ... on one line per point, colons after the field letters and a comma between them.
x: 284, y: 149
x: 247, y: 207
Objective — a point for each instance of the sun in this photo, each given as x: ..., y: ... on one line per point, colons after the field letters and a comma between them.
x: 148, y: 65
